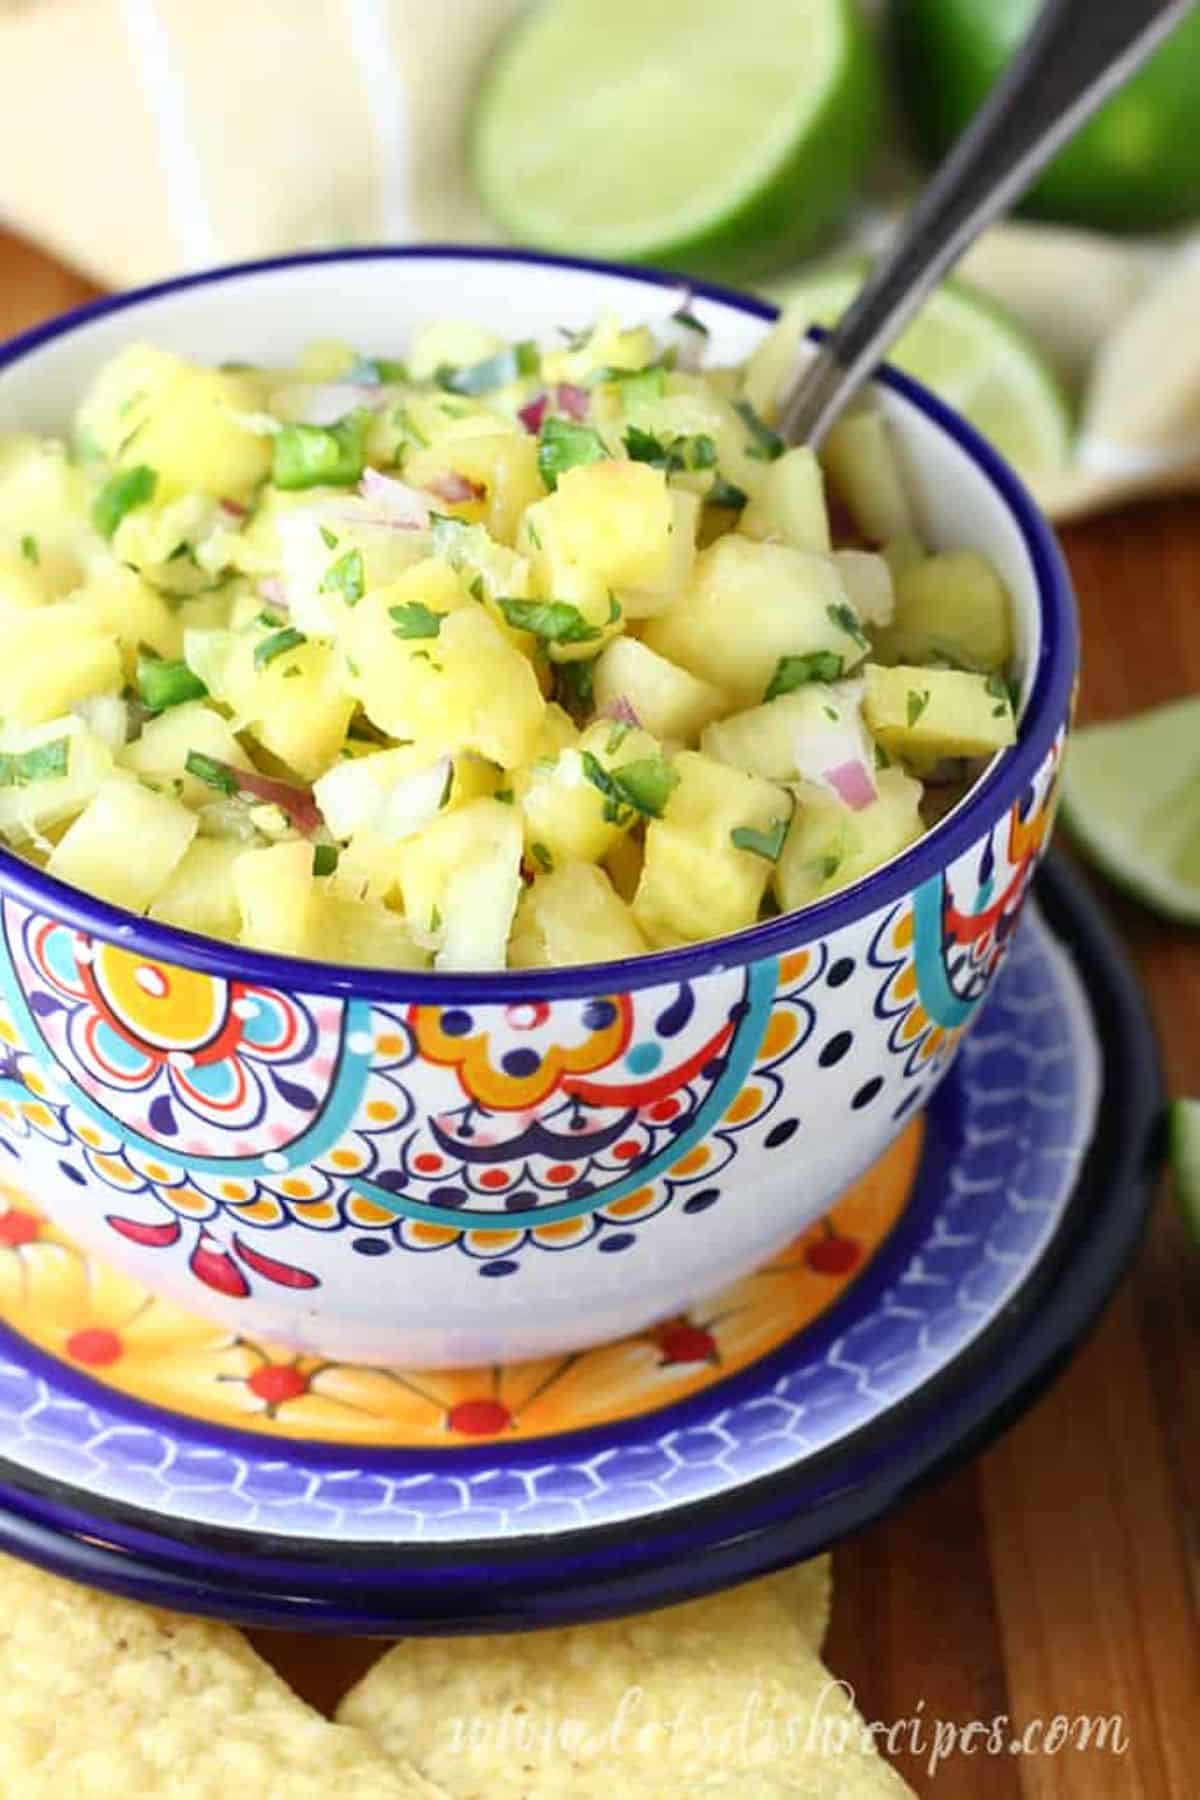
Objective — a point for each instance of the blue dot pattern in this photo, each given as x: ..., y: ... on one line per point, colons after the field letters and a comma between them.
x: 1021, y: 1101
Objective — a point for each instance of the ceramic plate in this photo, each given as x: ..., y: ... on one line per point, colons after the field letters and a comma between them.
x: 151, y: 1452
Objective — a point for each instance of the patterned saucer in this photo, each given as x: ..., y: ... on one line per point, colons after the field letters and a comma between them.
x: 151, y: 1452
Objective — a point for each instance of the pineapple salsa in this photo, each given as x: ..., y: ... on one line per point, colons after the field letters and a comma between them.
x: 507, y: 654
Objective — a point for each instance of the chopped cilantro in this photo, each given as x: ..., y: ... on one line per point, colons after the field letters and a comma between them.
x: 268, y: 618
x: 845, y: 618
x: 346, y: 577
x: 766, y: 444
x: 832, y: 713
x: 373, y: 371
x: 681, y: 453
x: 542, y: 856
x: 830, y: 866
x: 792, y: 672
x: 564, y: 445
x: 329, y: 538
x: 212, y: 773
x: 505, y: 796
x: 435, y: 919
x: 997, y: 687
x: 616, y: 737
x: 321, y: 455
x: 534, y: 537
x: 415, y: 620
x: 916, y: 704
x: 554, y: 621
x: 683, y: 315
x: 127, y: 489
x: 493, y: 372
x: 325, y: 859
x: 447, y: 786
x: 277, y: 644
x: 292, y: 671
x: 703, y: 454
x: 162, y: 684
x: 29, y: 550
x: 45, y: 762
x: 882, y: 759
x: 727, y: 494
x: 573, y: 687
x: 475, y: 589
x: 641, y: 787
x: 767, y: 844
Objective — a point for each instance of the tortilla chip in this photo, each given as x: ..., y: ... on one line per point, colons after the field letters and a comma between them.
x: 105, y: 1699
x: 808, y: 1592
x: 721, y: 1697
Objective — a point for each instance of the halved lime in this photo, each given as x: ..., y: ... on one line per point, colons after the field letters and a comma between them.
x: 1131, y: 797
x: 968, y: 351
x: 1134, y: 167
x: 1185, y: 1159
x: 702, y: 136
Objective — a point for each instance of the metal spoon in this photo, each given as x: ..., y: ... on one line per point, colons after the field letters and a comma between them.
x: 1076, y: 53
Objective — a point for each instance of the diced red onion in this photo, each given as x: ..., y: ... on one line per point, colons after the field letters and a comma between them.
x: 233, y: 509
x: 851, y: 782
x: 271, y: 589
x: 620, y: 709
x: 532, y: 415
x: 454, y: 488
x: 572, y: 400
x: 296, y: 802
x: 402, y: 506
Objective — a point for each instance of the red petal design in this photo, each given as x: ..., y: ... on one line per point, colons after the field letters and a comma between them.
x: 217, y: 1269
x: 155, y: 1237
x: 280, y: 1272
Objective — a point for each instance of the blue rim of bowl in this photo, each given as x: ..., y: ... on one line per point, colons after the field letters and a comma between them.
x: 1046, y: 710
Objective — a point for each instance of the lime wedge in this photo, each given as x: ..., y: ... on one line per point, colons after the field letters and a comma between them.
x: 968, y: 351
x: 1185, y: 1159
x: 705, y: 136
x: 1131, y: 797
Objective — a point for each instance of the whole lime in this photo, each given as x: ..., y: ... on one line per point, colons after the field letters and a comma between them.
x: 1134, y: 167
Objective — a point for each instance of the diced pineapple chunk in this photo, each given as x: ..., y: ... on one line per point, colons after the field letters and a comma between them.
x: 128, y: 609
x: 763, y: 739
x: 864, y: 474
x: 770, y: 369
x: 567, y: 817
x: 609, y: 345
x: 655, y: 596
x: 937, y: 712
x: 503, y: 464
x: 200, y: 894
x: 461, y: 879
x: 276, y: 897
x: 125, y: 844
x: 572, y: 916
x: 50, y: 658
x: 698, y: 881
x: 617, y: 521
x: 29, y: 808
x: 296, y: 706
x: 671, y: 703
x: 391, y: 792
x: 951, y: 606
x: 449, y: 344
x: 750, y: 604
x: 829, y: 846
x: 45, y: 527
x: 557, y: 573
x: 465, y: 687
x: 869, y: 585
x: 364, y: 934
x: 369, y: 869
x: 162, y: 750
x: 320, y: 576
x: 183, y: 421
x: 791, y: 505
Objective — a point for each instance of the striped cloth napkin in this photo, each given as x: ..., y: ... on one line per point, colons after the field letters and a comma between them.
x: 141, y: 137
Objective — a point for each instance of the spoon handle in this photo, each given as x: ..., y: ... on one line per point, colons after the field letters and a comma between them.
x: 1075, y: 54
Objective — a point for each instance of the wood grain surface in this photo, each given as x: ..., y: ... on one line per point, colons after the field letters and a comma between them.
x: 1058, y: 1575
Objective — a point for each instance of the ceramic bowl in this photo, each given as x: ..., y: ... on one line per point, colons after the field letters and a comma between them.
x: 433, y: 1169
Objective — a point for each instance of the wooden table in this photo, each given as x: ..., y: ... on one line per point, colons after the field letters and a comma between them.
x: 1058, y: 1575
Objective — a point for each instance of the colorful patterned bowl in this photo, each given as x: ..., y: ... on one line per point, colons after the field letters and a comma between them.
x: 434, y: 1169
